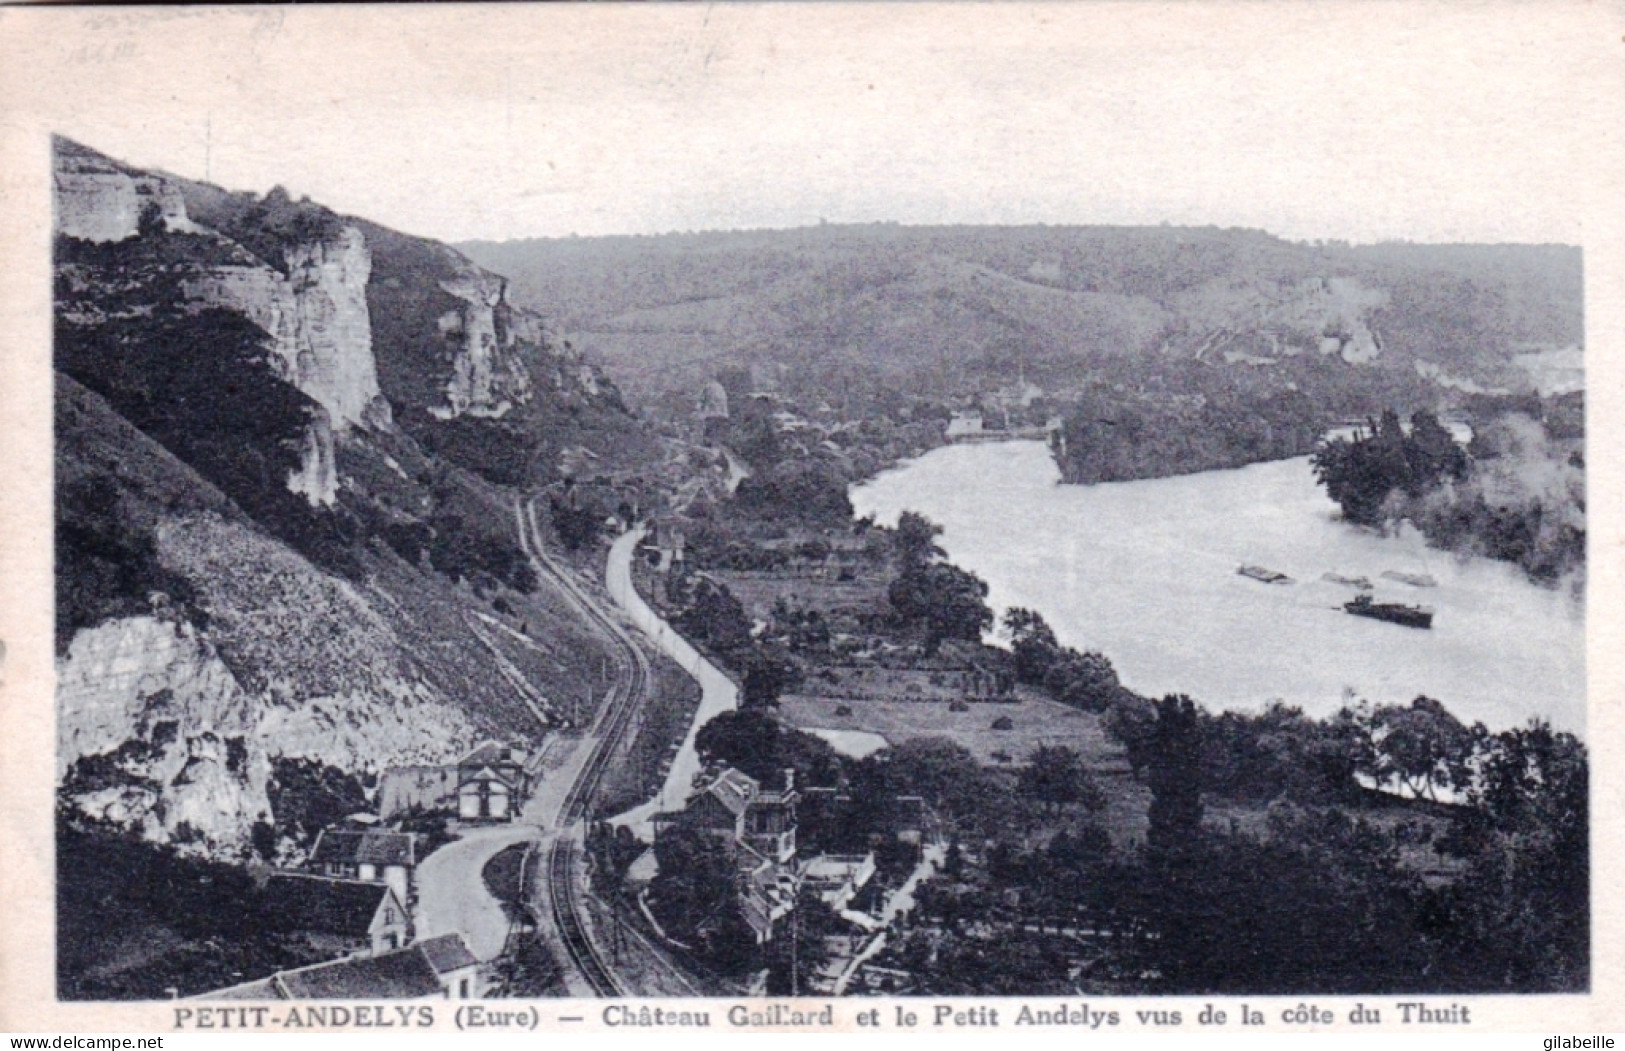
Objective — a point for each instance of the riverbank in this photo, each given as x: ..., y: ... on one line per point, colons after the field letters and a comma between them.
x: 1145, y: 572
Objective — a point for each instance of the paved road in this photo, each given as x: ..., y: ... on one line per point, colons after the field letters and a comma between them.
x: 451, y: 891
x: 717, y: 692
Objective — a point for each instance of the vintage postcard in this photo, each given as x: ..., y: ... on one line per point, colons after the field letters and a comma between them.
x: 1002, y: 518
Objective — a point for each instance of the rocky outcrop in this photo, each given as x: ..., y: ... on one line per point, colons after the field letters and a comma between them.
x: 303, y: 284
x: 316, y: 478
x: 334, y: 681
x: 1258, y: 323
x: 487, y: 376
x: 332, y: 333
x: 317, y: 315
x: 168, y: 730
x: 98, y: 199
x: 155, y: 734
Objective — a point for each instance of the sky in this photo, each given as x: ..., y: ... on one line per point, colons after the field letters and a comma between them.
x: 1362, y: 121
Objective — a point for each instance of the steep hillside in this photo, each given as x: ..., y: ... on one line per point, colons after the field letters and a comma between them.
x: 289, y: 445
x: 951, y: 309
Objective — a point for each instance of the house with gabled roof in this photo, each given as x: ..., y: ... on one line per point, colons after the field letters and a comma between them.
x: 733, y: 806
x: 336, y: 916
x: 454, y: 964
x: 370, y: 854
x: 492, y: 783
x: 759, y: 827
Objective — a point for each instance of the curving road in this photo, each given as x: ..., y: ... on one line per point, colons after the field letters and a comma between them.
x: 452, y: 898
x: 717, y: 692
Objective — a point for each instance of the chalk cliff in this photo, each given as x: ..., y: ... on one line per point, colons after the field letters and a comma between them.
x: 487, y: 377
x: 280, y: 534
x: 154, y: 734
x: 315, y: 311
x: 98, y: 199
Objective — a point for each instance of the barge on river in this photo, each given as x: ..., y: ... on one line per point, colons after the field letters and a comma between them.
x: 1267, y: 576
x: 1392, y: 612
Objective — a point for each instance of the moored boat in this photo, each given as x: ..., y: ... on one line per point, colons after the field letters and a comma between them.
x: 1415, y: 580
x: 1392, y: 612
x: 1267, y: 576
x: 1363, y: 583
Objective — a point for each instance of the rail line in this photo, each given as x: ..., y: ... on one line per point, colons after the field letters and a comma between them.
x: 565, y: 904
x: 629, y: 686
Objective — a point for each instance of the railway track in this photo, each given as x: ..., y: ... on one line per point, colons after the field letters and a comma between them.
x: 629, y: 687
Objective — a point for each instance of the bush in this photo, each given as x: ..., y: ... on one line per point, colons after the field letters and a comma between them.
x: 464, y: 553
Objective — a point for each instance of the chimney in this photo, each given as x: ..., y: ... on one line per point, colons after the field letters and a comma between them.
x: 789, y: 780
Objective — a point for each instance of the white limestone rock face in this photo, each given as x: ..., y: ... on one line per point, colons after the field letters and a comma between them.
x: 487, y: 376
x: 317, y: 316
x: 172, y: 737
x: 100, y: 200
x: 316, y: 479
x: 169, y: 730
x: 332, y: 331
x: 1329, y: 316
x: 321, y: 331
x: 332, y: 679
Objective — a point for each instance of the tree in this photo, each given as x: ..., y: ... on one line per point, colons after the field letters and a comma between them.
x: 151, y: 220
x: 1432, y: 454
x: 941, y: 771
x: 1033, y: 647
x: 695, y: 880
x: 1075, y: 852
x: 747, y: 740
x: 1524, y: 909
x: 1360, y: 474
x: 943, y: 601
x: 577, y: 522
x: 767, y: 676
x: 916, y: 540
x: 1083, y: 680
x: 1055, y: 777
x: 1422, y: 746
x: 755, y: 434
x: 755, y: 742
x: 1175, y: 776
x: 799, y: 948
x: 1130, y: 720
x: 713, y: 616
x: 799, y: 489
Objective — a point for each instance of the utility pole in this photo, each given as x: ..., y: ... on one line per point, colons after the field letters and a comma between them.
x: 795, y: 951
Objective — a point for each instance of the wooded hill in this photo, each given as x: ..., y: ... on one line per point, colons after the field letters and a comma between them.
x: 831, y: 310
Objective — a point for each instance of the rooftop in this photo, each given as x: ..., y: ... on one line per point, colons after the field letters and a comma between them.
x: 409, y: 973
x: 447, y: 953
x: 292, y: 901
x: 371, y: 846
x: 402, y: 974
x: 492, y: 752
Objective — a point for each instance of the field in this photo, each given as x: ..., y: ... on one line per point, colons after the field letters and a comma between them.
x: 1034, y: 722
x: 757, y: 592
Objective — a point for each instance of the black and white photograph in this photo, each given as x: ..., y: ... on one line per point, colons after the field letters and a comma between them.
x: 785, y: 503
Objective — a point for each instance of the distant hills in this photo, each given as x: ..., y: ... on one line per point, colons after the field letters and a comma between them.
x: 958, y: 309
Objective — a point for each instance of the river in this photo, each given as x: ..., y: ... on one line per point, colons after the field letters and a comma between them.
x: 1145, y: 573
